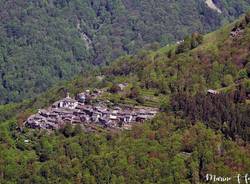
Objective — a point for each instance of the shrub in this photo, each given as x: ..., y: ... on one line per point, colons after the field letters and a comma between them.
x: 140, y: 100
x: 134, y: 92
x: 114, y: 88
x: 228, y: 80
x: 247, y: 17
x: 243, y: 74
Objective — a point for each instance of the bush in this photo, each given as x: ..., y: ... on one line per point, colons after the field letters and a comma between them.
x: 190, y: 43
x: 140, y: 100
x: 247, y: 17
x: 243, y: 74
x: 165, y: 105
x: 228, y: 80
x: 248, y: 69
x: 67, y: 130
x: 247, y: 86
x: 114, y: 88
x: 134, y: 92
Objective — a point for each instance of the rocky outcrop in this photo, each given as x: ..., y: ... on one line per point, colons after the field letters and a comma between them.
x: 213, y: 6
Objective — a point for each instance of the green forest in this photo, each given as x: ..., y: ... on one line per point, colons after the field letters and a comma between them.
x: 43, y: 42
x: 195, y: 133
x: 166, y: 150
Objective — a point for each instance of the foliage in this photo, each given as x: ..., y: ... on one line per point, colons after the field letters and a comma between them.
x: 247, y: 17
x: 154, y: 152
x: 114, y: 88
x: 224, y: 112
x: 189, y: 43
x: 197, y: 132
x: 46, y: 41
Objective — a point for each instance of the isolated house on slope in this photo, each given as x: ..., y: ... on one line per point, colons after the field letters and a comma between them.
x: 211, y: 91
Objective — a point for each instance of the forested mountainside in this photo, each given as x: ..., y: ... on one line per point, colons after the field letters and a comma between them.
x: 44, y: 41
x: 202, y: 87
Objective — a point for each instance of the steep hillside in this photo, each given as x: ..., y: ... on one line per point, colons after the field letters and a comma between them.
x: 218, y: 61
x: 201, y: 85
x: 42, y: 42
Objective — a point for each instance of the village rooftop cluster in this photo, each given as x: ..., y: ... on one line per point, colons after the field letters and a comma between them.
x: 88, y: 115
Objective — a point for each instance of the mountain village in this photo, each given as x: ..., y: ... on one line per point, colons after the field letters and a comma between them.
x: 88, y: 115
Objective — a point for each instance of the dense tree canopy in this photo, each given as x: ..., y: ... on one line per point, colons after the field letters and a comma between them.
x: 44, y: 41
x: 166, y: 150
x: 199, y: 130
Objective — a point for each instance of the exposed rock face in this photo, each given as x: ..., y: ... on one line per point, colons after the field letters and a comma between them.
x: 84, y: 36
x: 213, y: 6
